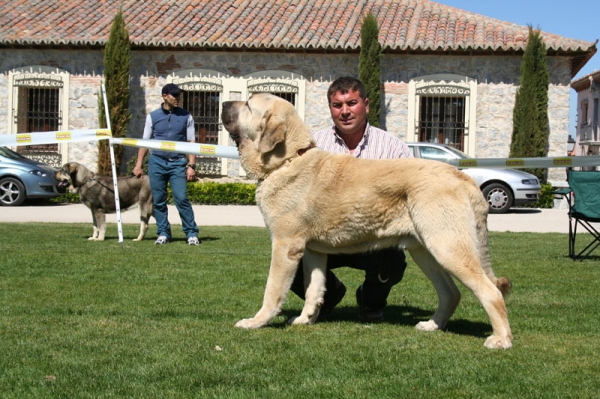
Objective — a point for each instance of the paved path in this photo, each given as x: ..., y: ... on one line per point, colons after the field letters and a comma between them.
x: 517, y: 220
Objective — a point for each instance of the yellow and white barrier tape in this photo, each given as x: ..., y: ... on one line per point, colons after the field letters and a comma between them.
x: 63, y: 136
x: 517, y: 163
x: 221, y: 151
x: 207, y: 150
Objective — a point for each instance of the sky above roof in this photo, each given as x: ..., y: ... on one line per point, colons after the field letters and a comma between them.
x: 575, y: 19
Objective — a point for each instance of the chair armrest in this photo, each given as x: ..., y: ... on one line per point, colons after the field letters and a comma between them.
x: 565, y: 192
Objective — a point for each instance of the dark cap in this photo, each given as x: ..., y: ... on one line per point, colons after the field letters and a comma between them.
x: 171, y: 89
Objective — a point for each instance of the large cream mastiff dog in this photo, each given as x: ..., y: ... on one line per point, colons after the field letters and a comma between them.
x: 316, y: 203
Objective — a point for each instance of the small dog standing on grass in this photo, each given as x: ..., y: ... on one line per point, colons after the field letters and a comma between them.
x: 97, y: 193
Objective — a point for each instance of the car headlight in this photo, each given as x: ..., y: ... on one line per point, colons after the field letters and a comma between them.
x: 38, y: 172
x: 529, y: 181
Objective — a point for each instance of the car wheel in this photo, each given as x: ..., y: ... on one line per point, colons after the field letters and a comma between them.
x: 499, y: 197
x: 12, y: 192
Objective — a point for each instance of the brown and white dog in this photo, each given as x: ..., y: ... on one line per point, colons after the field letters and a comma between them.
x: 316, y: 203
x: 97, y: 193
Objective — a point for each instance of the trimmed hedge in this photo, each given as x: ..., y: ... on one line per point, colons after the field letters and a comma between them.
x: 209, y: 193
x: 212, y: 193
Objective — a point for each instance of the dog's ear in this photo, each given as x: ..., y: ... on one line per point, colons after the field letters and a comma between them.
x: 272, y: 132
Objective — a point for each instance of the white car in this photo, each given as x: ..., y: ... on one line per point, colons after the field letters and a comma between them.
x: 503, y: 188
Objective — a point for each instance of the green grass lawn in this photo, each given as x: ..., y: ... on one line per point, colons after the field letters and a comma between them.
x: 101, y: 319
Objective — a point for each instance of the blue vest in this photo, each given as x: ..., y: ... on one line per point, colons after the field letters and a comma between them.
x: 169, y: 126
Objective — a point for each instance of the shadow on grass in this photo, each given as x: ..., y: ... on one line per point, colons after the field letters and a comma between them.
x: 405, y: 316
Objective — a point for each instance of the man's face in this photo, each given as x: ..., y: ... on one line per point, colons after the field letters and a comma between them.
x: 171, y: 101
x: 349, y: 112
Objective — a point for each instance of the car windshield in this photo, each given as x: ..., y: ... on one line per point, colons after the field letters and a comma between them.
x: 458, y: 153
x: 5, y: 152
x: 439, y: 153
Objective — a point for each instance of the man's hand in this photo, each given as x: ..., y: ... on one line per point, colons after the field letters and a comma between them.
x: 190, y: 174
x: 138, y: 172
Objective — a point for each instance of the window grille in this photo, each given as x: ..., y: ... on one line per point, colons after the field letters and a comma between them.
x: 204, y: 106
x: 291, y: 97
x: 38, y: 111
x: 442, y: 120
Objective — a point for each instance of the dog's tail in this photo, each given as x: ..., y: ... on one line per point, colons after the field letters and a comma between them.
x: 481, y: 208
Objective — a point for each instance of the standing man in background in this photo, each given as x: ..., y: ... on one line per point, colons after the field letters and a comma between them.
x: 170, y: 123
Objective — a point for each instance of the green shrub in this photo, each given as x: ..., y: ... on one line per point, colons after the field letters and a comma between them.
x: 546, y: 199
x: 210, y: 193
x: 131, y: 164
x: 67, y: 198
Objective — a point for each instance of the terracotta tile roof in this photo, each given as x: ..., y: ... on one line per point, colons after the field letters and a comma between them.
x: 290, y: 25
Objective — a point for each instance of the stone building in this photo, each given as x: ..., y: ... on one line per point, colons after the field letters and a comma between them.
x: 448, y: 75
x: 587, y: 139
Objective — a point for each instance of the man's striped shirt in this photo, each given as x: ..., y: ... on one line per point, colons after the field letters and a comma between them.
x: 375, y: 144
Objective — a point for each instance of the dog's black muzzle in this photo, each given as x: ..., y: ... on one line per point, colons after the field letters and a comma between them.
x: 229, y: 117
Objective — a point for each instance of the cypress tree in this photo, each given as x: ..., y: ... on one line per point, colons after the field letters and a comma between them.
x: 117, y: 57
x: 368, y: 66
x: 530, y: 115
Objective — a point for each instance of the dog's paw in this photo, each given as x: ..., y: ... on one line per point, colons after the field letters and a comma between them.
x: 300, y: 320
x: 248, y: 324
x: 496, y: 342
x: 428, y: 325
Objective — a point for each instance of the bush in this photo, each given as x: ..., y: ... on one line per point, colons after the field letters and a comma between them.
x: 210, y: 193
x: 131, y: 164
x: 546, y: 199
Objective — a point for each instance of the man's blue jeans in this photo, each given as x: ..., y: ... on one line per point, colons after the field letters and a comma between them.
x: 161, y: 172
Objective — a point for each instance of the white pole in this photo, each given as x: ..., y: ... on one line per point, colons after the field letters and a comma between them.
x: 114, y: 169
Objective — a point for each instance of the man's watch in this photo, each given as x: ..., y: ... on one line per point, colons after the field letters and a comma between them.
x: 191, y: 165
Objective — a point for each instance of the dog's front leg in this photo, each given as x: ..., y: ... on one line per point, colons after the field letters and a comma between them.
x: 315, y: 265
x: 101, y: 221
x: 285, y: 257
x: 95, y: 227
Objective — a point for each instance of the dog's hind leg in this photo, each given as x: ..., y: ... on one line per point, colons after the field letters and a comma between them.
x: 464, y: 263
x: 493, y: 302
x: 285, y: 256
x: 315, y: 265
x: 447, y: 292
x: 144, y: 219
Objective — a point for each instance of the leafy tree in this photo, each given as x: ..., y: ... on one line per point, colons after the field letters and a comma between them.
x: 530, y: 115
x: 117, y: 57
x: 368, y: 66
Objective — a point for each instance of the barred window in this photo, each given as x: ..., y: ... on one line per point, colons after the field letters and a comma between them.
x: 204, y: 107
x: 442, y: 120
x: 38, y: 111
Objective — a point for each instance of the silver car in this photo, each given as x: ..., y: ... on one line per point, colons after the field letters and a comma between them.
x: 23, y: 179
x: 503, y: 188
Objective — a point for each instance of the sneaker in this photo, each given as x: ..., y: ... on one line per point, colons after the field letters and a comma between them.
x: 336, y: 298
x: 365, y: 314
x: 161, y: 240
x: 193, y: 241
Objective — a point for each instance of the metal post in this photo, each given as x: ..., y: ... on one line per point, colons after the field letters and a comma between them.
x: 114, y: 168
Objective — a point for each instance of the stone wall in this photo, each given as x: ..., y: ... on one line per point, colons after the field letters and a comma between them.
x: 497, y: 80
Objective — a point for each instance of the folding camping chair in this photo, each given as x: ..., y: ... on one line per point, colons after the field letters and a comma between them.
x: 583, y: 197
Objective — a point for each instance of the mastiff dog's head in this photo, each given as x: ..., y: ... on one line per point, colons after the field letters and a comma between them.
x: 267, y: 131
x: 73, y: 175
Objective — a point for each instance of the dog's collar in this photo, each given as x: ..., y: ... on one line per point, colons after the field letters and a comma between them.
x: 303, y: 150
x: 89, y: 180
